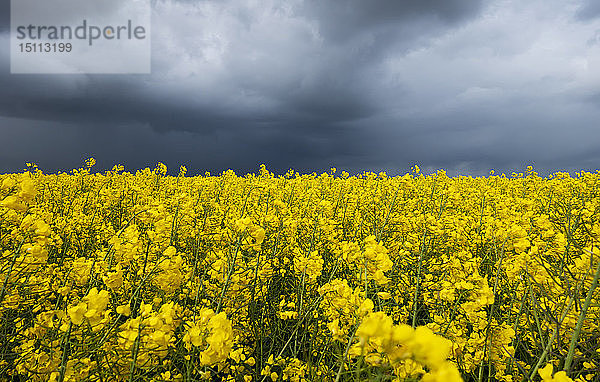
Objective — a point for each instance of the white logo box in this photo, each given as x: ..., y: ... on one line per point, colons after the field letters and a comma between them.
x: 80, y: 36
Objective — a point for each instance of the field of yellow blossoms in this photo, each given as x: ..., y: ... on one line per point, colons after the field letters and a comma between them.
x: 146, y: 277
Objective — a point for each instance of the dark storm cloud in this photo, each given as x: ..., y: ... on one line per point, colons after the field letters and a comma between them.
x: 341, y: 20
x: 106, y: 102
x: 4, y: 16
x: 329, y: 91
x: 59, y: 146
x: 590, y: 9
x: 360, y: 85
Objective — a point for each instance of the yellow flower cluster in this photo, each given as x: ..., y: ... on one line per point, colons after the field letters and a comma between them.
x: 151, y: 332
x: 117, y: 276
x: 342, y: 306
x: 546, y: 374
x: 24, y: 192
x: 372, y: 261
x: 171, y: 273
x: 288, y: 369
x: 308, y: 267
x: 92, y: 309
x: 406, y: 349
x: 213, y: 333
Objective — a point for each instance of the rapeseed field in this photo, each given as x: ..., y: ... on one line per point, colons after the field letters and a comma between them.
x: 146, y: 277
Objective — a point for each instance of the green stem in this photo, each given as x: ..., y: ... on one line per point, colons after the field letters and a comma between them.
x: 135, y: 351
x: 553, y: 337
x: 577, y: 331
x: 63, y: 362
x: 343, y: 360
x: 7, y: 277
x: 415, y: 305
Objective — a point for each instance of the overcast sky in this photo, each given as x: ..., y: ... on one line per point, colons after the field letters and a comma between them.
x: 377, y: 85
